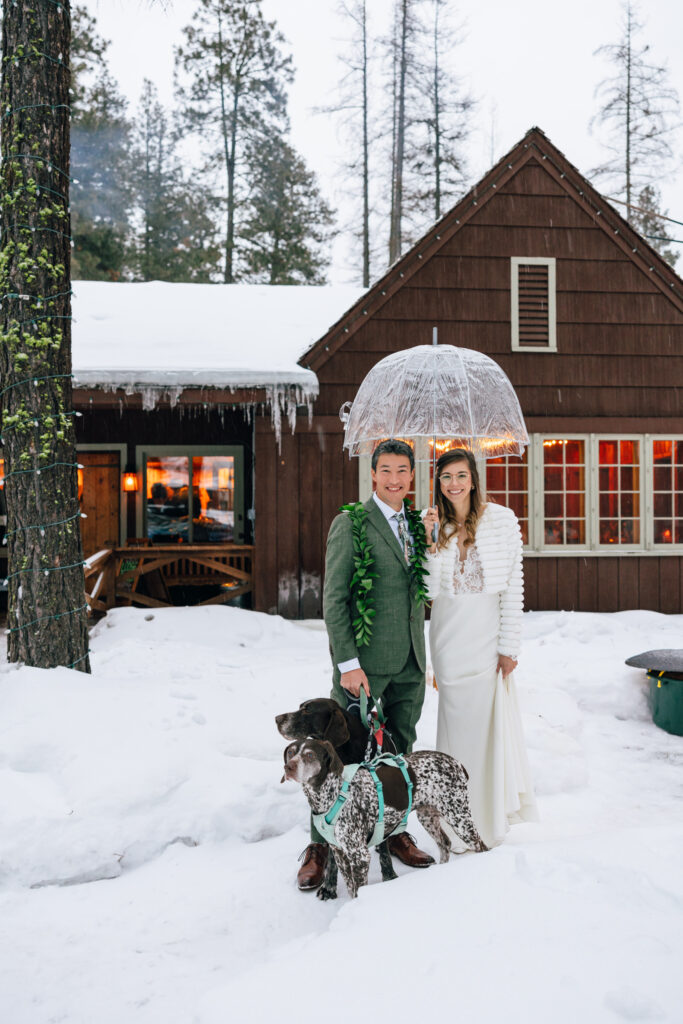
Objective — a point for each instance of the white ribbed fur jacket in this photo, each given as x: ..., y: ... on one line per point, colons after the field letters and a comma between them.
x: 499, y: 545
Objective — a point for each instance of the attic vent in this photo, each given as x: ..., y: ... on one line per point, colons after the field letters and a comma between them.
x: 533, y: 304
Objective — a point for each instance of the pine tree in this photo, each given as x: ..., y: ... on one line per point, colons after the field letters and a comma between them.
x: 100, y: 145
x: 46, y: 602
x: 176, y: 239
x: 646, y: 217
x: 639, y: 113
x: 288, y: 227
x: 235, y: 91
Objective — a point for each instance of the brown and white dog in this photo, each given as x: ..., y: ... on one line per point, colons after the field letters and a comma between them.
x: 323, y: 719
x: 439, y: 791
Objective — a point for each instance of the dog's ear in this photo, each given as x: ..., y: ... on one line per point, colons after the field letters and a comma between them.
x: 330, y: 756
x: 337, y: 731
x: 289, y: 750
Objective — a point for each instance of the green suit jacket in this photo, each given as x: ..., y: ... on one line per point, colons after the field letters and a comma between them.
x: 399, y: 615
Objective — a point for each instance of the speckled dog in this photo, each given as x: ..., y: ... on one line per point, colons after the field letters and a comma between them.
x: 439, y: 791
x: 323, y: 719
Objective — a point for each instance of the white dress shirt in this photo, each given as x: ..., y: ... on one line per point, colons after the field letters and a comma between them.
x: 388, y: 512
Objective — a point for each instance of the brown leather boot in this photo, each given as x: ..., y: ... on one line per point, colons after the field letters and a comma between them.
x: 405, y: 848
x: 314, y: 859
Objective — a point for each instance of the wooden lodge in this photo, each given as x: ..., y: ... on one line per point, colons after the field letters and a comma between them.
x: 191, y: 494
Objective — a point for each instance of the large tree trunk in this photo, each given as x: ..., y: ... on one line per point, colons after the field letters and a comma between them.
x: 47, y: 612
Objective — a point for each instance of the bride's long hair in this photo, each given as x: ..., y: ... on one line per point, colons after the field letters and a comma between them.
x: 446, y: 511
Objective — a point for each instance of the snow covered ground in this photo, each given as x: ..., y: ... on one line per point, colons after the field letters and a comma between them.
x: 148, y: 851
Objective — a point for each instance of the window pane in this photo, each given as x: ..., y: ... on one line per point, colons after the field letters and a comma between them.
x: 575, y: 504
x: 678, y: 478
x: 662, y: 478
x: 554, y: 504
x: 495, y: 478
x: 609, y: 505
x: 575, y: 478
x: 517, y: 477
x: 552, y: 452
x: 554, y: 531
x: 663, y: 505
x: 609, y: 452
x: 679, y: 452
x: 630, y: 478
x: 630, y: 504
x: 678, y: 531
x: 213, y: 489
x: 167, y: 498
x: 553, y: 478
x: 661, y: 451
x: 608, y: 479
x: 630, y: 531
x: 576, y: 531
x: 628, y: 451
x: 663, y: 533
x: 519, y: 503
x: 609, y: 531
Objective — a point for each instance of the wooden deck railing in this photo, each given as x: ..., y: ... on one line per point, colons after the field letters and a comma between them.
x: 116, y: 574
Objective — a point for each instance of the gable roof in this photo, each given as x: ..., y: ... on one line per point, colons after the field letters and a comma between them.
x: 535, y: 145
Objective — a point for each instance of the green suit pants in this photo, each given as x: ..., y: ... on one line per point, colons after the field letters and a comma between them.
x: 402, y: 696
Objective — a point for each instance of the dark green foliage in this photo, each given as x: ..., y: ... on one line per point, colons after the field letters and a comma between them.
x: 176, y: 240
x: 232, y: 88
x: 288, y: 229
x: 100, y: 145
x: 646, y: 217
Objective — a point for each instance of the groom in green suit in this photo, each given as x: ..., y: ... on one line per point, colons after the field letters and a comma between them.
x: 392, y: 664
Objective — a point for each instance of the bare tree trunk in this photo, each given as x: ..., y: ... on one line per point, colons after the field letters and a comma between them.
x: 437, y: 120
x: 366, y: 155
x: 629, y: 68
x: 395, y: 239
x: 47, y: 609
x: 229, y: 129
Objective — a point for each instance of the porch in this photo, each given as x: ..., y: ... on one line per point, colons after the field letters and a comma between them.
x: 142, y: 574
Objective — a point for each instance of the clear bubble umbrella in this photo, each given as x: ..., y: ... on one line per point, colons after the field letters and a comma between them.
x: 434, y: 393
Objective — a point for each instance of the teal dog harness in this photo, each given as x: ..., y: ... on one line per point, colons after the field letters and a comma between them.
x: 326, y: 821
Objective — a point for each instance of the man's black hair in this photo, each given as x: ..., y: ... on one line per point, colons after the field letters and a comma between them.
x: 392, y: 447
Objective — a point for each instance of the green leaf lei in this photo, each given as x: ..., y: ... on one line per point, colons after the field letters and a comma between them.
x: 363, y: 561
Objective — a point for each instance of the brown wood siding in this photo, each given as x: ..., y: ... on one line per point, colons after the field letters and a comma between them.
x: 603, y: 584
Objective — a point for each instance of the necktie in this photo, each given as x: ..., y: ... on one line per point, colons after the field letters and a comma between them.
x: 403, y: 535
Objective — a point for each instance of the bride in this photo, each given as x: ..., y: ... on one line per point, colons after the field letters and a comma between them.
x: 475, y: 581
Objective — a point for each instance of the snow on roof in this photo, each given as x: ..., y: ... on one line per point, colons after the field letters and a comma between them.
x: 192, y: 335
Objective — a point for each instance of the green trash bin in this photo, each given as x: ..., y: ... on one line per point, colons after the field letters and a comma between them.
x: 666, y: 700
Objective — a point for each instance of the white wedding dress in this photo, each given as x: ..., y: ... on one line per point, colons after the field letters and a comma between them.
x: 478, y: 720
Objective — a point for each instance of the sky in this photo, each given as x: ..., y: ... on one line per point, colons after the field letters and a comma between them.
x: 528, y: 63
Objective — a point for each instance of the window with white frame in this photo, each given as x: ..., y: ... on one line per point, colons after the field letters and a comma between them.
x: 563, y: 463
x: 667, y: 491
x: 619, y: 483
x: 507, y: 483
x: 533, y: 313
x: 595, y: 493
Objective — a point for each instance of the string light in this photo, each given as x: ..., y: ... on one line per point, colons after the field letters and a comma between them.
x: 42, y: 469
x: 29, y: 227
x: 45, y: 570
x: 44, y: 526
x: 45, y: 618
x: 35, y: 380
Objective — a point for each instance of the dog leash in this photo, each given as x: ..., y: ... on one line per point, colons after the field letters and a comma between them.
x: 374, y: 719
